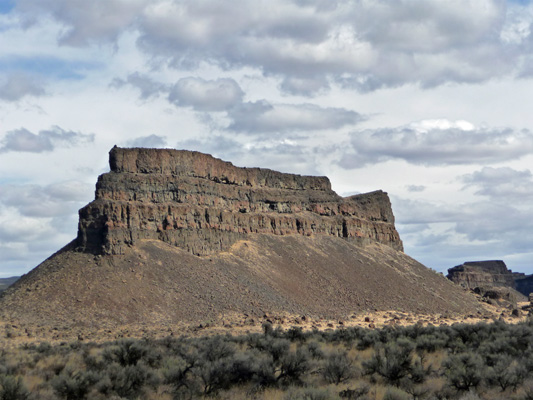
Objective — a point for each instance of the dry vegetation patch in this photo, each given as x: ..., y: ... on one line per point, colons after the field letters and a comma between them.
x: 458, y: 361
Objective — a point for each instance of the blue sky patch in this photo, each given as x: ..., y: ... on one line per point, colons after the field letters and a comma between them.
x: 47, y: 66
x: 6, y: 6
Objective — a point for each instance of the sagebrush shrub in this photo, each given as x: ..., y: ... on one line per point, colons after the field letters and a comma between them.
x: 129, y: 381
x: 215, y: 348
x: 507, y: 372
x: 12, y: 388
x: 464, y: 371
x: 392, y: 361
x: 338, y: 367
x: 74, y: 385
x: 292, y: 366
x: 126, y: 352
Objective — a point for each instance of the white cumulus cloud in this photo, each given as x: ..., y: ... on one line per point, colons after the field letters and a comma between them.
x: 203, y: 95
x: 437, y: 142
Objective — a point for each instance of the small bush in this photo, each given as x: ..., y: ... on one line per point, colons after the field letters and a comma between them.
x: 391, y: 361
x: 215, y: 375
x: 129, y: 352
x: 127, y: 381
x: 12, y: 388
x: 430, y: 343
x: 276, y: 347
x: 368, y: 339
x: 293, y: 365
x: 338, y: 368
x: 357, y: 393
x: 506, y: 373
x: 464, y: 371
x: 295, y: 333
x: 175, y: 373
x: 264, y: 373
x: 315, y: 351
x: 268, y: 329
x: 216, y: 348
x: 74, y: 385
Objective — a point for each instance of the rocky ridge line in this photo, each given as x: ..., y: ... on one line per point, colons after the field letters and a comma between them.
x: 204, y: 205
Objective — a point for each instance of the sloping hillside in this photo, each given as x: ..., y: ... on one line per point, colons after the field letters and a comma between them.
x: 177, y: 236
x: 155, y: 283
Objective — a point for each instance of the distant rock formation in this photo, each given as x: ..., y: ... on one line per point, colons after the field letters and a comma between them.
x: 524, y: 283
x: 6, y: 282
x: 474, y: 274
x: 204, y: 205
x: 490, y: 274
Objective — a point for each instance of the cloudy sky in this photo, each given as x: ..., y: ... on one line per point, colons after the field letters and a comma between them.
x: 428, y: 100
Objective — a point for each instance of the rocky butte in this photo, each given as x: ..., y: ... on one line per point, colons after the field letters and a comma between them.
x: 177, y: 236
x: 472, y: 274
x: 204, y: 205
x: 490, y: 274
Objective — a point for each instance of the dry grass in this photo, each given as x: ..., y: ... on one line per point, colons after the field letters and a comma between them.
x: 21, y: 333
x: 40, y: 365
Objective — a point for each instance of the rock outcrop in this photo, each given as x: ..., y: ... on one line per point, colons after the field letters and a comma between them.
x: 204, y: 205
x: 524, y: 284
x: 491, y: 279
x: 180, y: 236
x: 474, y: 274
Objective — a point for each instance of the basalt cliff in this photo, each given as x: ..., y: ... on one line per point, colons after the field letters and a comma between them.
x: 472, y: 274
x: 483, y: 275
x: 203, y: 205
x: 182, y: 236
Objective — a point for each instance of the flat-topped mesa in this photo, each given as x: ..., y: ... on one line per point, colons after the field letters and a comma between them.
x: 492, y: 273
x: 200, y: 165
x: 202, y: 204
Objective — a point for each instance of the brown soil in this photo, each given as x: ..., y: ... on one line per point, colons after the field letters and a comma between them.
x: 156, y: 289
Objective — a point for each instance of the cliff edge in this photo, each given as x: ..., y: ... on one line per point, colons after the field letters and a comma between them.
x: 203, y: 205
x: 472, y: 274
x: 491, y: 274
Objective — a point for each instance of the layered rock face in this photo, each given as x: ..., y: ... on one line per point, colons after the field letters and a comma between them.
x: 204, y: 205
x: 524, y: 284
x: 474, y: 274
x: 277, y: 244
x: 487, y: 275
